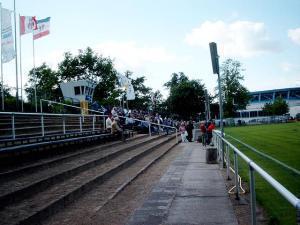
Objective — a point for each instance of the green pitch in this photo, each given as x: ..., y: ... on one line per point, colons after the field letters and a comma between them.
x: 282, y: 142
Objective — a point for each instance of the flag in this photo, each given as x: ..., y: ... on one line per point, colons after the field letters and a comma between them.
x: 27, y: 24
x: 123, y: 80
x: 43, y: 28
x: 7, y: 40
x: 130, y: 95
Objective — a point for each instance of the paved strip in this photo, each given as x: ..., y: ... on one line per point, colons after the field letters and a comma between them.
x: 190, y: 193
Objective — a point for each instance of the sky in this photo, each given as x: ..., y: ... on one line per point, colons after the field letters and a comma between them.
x: 155, y: 38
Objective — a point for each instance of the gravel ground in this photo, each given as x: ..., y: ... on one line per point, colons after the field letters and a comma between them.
x: 242, y: 207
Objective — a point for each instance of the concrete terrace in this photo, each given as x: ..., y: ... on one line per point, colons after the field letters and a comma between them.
x: 191, y: 192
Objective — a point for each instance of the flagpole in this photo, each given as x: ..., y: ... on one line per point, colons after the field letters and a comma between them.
x: 2, y: 87
x: 17, y: 86
x: 21, y: 74
x: 34, y: 75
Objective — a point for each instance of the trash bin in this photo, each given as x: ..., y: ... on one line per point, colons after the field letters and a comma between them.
x: 211, y: 155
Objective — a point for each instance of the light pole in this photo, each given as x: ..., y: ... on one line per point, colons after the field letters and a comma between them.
x: 216, y: 70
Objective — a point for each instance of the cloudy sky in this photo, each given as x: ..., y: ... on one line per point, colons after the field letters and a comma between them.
x: 155, y: 38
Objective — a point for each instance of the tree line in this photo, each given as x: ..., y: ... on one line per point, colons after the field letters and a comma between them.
x: 186, y: 96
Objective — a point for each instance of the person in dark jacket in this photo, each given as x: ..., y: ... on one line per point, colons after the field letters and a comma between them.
x: 189, y: 129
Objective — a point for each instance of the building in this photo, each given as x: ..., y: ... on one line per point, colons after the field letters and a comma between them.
x: 260, y: 98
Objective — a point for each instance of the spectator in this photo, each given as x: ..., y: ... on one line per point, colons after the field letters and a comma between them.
x: 115, y: 128
x: 210, y: 128
x: 183, y: 132
x: 189, y: 129
x: 203, y: 133
x: 108, y: 123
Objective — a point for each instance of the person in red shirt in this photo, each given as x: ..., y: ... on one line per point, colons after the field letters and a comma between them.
x: 210, y: 128
x: 203, y: 133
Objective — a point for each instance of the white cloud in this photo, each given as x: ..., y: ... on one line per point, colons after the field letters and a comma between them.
x: 128, y: 55
x: 239, y: 38
x: 294, y: 35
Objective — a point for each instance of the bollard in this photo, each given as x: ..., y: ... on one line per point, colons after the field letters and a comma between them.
x: 149, y: 129
x: 64, y: 125
x: 42, y: 125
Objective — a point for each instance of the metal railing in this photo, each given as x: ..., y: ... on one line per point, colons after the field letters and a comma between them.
x: 15, y: 125
x: 222, y: 144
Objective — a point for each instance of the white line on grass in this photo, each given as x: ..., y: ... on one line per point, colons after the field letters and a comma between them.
x: 265, y: 155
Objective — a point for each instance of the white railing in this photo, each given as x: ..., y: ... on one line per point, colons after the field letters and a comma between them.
x: 14, y: 124
x: 222, y: 144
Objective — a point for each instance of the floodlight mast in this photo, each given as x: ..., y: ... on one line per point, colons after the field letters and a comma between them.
x: 216, y: 70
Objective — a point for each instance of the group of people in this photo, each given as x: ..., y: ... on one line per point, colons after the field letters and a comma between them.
x: 206, y: 128
x: 119, y: 119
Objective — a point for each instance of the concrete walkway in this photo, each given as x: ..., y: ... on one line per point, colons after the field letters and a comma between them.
x: 191, y: 192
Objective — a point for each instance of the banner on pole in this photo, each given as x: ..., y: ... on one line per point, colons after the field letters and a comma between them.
x: 130, y: 95
x: 43, y: 28
x: 7, y: 39
x: 27, y: 24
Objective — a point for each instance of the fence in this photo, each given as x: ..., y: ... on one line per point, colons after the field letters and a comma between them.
x: 17, y: 125
x: 222, y: 144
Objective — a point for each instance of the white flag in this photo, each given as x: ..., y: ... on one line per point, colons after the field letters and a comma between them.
x: 27, y: 24
x: 130, y: 95
x: 7, y: 39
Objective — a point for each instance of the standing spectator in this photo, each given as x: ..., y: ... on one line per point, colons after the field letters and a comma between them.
x: 210, y: 128
x: 108, y: 123
x: 183, y: 132
x: 203, y: 133
x: 189, y: 130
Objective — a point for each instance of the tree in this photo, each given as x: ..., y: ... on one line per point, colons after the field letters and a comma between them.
x: 90, y: 66
x: 186, y: 96
x: 235, y: 95
x: 46, y: 82
x: 278, y: 107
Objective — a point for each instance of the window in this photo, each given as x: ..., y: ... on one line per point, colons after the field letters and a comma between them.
x: 253, y: 114
x: 82, y: 90
x: 87, y: 90
x: 295, y: 94
x: 77, y: 90
x: 254, y: 98
x: 245, y: 114
x: 267, y: 96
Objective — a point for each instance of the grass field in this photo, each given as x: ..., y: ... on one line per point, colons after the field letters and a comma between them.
x: 282, y: 142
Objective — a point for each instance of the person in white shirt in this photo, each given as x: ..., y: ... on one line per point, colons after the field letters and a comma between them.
x: 108, y: 123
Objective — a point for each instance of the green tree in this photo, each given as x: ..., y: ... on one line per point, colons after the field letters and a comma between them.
x: 235, y: 95
x: 46, y: 82
x: 186, y: 96
x: 88, y: 65
x: 278, y: 107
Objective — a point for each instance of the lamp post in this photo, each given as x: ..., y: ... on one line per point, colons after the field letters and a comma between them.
x: 216, y: 70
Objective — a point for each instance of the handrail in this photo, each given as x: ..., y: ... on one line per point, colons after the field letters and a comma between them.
x: 290, y: 197
x: 43, y: 118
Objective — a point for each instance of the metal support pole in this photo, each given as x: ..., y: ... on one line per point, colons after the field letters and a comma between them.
x: 236, y: 178
x: 104, y: 123
x: 42, y: 123
x: 94, y: 118
x: 13, y: 126
x: 253, y: 196
x: 176, y: 133
x: 298, y: 214
x: 80, y: 123
x: 41, y: 105
x: 227, y: 163
x: 16, y: 57
x: 64, y: 124
x: 149, y: 129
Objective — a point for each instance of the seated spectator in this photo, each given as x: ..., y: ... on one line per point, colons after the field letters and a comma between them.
x: 115, y: 128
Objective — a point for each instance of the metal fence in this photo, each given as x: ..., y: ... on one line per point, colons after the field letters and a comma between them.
x: 224, y: 147
x: 15, y: 125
